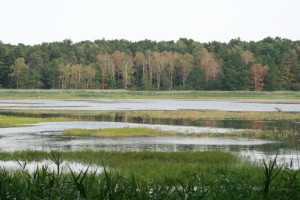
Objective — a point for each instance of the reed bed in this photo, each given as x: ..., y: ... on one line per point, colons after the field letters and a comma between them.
x: 207, y: 175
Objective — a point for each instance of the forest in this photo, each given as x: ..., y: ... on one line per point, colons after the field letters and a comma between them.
x: 270, y: 64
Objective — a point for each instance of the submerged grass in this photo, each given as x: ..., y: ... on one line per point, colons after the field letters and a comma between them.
x: 151, y: 175
x: 10, y: 121
x: 120, y: 132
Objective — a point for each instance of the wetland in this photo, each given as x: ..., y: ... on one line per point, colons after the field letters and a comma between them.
x: 156, y: 141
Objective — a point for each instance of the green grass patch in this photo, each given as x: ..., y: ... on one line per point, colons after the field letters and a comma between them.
x: 146, y: 165
x: 120, y: 132
x: 150, y: 175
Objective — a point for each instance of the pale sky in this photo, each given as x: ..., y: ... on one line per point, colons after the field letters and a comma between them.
x: 37, y: 21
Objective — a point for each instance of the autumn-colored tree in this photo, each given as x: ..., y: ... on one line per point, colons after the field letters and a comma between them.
x: 258, y: 72
x: 124, y: 66
x: 118, y: 59
x: 159, y: 63
x: 76, y: 76
x: 127, y: 70
x: 185, y: 63
x: 171, y: 61
x: 89, y: 74
x: 150, y: 66
x: 104, y: 61
x: 210, y: 64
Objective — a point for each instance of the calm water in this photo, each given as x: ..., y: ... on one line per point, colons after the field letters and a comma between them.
x: 152, y: 104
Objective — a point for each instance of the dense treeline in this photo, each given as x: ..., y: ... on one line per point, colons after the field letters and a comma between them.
x: 270, y: 64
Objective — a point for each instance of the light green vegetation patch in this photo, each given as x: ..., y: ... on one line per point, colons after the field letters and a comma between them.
x: 10, y: 121
x: 120, y: 132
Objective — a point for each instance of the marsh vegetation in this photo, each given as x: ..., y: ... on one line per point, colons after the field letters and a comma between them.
x: 150, y: 175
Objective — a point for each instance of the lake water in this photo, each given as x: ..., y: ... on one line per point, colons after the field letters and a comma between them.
x: 47, y: 136
x: 152, y: 104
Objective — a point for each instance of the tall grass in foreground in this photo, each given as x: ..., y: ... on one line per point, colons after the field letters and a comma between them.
x: 223, y: 182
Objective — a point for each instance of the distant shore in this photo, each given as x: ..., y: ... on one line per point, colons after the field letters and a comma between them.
x: 178, y: 94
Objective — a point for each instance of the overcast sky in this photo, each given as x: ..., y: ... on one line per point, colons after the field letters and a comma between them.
x: 37, y: 21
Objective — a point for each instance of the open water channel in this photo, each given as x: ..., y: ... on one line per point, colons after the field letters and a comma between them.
x: 47, y: 136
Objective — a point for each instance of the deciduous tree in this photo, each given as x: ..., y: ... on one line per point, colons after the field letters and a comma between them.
x: 211, y: 65
x: 19, y: 73
x: 258, y: 72
x: 185, y: 65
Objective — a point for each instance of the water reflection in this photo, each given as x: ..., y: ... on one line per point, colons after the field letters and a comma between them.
x: 123, y: 117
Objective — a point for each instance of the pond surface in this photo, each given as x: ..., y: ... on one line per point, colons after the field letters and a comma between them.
x: 47, y: 136
x: 153, y: 104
